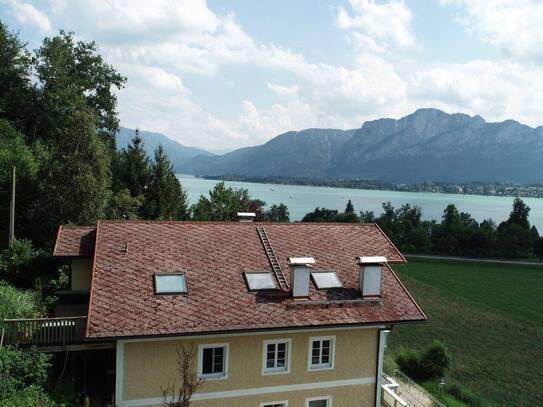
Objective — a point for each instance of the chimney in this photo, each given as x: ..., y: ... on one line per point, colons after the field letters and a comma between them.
x: 246, y: 216
x: 370, y: 275
x: 299, y: 275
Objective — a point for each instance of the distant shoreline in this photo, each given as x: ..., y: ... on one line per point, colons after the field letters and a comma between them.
x: 462, y: 188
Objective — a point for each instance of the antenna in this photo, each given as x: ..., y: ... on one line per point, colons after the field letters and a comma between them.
x: 12, y: 212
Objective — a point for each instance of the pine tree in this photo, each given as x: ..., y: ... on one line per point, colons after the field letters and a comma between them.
x: 165, y: 198
x: 349, y: 208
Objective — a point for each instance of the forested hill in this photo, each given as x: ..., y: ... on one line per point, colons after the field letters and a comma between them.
x: 177, y: 152
x: 427, y: 145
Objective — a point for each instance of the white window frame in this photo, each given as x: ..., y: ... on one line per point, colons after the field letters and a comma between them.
x: 310, y: 366
x: 157, y: 276
x: 327, y: 398
x: 212, y: 376
x: 271, y: 403
x: 272, y: 371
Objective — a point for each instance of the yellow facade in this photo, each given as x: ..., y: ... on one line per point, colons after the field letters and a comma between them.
x: 81, y: 274
x: 149, y: 366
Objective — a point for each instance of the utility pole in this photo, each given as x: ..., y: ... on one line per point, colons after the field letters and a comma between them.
x: 12, y: 212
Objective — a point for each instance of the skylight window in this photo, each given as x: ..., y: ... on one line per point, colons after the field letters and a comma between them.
x: 260, y: 280
x: 326, y: 279
x: 170, y: 283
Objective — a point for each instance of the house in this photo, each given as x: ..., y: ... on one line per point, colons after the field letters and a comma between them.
x: 279, y: 314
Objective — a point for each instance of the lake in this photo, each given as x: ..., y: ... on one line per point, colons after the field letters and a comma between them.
x: 302, y: 199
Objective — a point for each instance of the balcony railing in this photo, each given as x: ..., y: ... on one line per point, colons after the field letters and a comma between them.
x: 44, y: 331
x: 400, y: 391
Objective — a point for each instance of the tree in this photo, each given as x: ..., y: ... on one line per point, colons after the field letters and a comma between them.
x: 189, y: 380
x: 538, y: 248
x: 71, y: 70
x: 514, y: 236
x: 132, y: 169
x: 224, y: 203
x: 62, y: 101
x: 519, y: 214
x: 513, y: 241
x: 347, y: 217
x: 165, y: 199
x: 349, y: 208
x: 17, y: 97
x: 16, y: 262
x: 15, y: 303
x: 430, y: 364
x: 278, y: 213
x: 22, y: 377
x: 15, y: 152
x: 321, y: 215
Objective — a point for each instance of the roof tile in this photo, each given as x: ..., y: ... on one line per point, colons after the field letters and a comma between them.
x: 213, y: 256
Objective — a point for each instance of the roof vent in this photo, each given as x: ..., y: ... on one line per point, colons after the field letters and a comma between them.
x: 299, y: 275
x: 370, y: 275
x: 246, y: 216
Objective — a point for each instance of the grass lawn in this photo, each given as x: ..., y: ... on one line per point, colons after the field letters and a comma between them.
x: 490, y: 316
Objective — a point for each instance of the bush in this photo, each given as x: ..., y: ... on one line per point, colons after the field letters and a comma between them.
x: 19, y: 262
x: 409, y: 363
x: 16, y: 303
x: 22, y: 374
x: 430, y: 364
x: 435, y: 361
x: 32, y: 396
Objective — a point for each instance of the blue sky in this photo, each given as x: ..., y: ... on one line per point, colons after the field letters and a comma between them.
x: 226, y: 74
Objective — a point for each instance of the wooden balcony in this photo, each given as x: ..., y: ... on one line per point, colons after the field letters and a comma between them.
x: 44, y: 332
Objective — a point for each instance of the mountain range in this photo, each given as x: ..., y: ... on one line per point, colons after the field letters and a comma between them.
x: 177, y: 152
x: 427, y: 145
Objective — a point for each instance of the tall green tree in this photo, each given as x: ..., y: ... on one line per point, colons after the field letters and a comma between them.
x: 132, y: 170
x: 17, y: 95
x: 73, y: 71
x: 519, y: 214
x: 278, y: 213
x: 15, y: 152
x: 224, y: 203
x: 61, y: 98
x: 349, y: 208
x: 165, y: 198
x: 514, y: 236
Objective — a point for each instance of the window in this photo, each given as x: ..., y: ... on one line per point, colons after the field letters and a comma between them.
x: 319, y: 402
x: 321, y: 353
x: 275, y: 404
x: 326, y: 279
x: 213, y: 361
x: 260, y: 280
x: 170, y: 283
x: 276, y: 358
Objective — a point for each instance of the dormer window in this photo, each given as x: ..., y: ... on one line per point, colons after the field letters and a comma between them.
x: 326, y: 279
x: 260, y: 280
x: 170, y: 283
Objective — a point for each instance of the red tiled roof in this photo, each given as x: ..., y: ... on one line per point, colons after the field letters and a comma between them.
x: 213, y: 256
x: 75, y: 241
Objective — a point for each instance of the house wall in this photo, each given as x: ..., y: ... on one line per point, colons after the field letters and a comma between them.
x: 81, y: 274
x: 149, y: 366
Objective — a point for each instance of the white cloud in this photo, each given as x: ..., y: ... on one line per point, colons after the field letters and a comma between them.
x: 495, y: 90
x: 516, y: 27
x: 377, y: 26
x: 161, y: 45
x: 26, y: 13
x: 280, y: 90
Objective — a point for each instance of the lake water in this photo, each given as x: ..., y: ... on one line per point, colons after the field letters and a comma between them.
x: 303, y: 199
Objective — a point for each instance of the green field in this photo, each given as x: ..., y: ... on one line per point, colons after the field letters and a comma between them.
x: 490, y: 316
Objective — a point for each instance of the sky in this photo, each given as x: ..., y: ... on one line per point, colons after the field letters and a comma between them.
x: 228, y: 74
